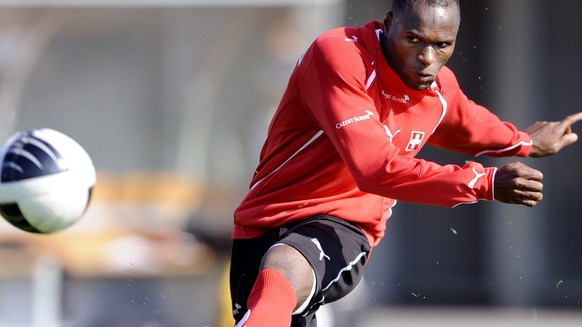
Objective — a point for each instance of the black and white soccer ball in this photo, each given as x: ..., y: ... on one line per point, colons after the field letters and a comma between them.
x: 46, y: 180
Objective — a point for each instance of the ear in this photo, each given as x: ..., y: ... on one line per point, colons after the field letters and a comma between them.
x: 388, y: 20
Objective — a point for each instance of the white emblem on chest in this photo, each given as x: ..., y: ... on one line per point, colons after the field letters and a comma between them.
x: 415, y: 141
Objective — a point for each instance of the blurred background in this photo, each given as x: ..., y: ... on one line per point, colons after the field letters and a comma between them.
x: 172, y: 101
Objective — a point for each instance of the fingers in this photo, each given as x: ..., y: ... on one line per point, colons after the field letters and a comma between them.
x: 527, y: 185
x: 523, y: 197
x: 568, y: 130
x: 532, y: 175
x: 521, y: 170
x: 568, y: 139
x: 570, y: 120
x: 528, y: 194
x: 529, y: 203
x: 530, y: 199
x: 516, y: 183
x: 551, y: 137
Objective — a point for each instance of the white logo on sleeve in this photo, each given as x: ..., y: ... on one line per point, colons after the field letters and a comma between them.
x: 352, y: 39
x: 476, y: 178
x: 321, y: 253
x: 368, y: 115
x: 390, y: 134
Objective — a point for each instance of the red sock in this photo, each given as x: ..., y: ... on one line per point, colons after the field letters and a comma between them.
x: 271, y: 301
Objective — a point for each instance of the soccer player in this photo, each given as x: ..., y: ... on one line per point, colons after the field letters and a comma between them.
x: 341, y: 150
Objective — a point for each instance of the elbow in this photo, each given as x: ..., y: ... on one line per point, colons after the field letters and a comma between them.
x: 385, y: 179
x: 365, y: 187
x: 368, y: 183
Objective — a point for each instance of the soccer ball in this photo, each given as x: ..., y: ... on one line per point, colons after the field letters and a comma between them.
x: 46, y: 180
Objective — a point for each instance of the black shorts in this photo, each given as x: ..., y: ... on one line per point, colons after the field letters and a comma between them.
x: 336, y: 250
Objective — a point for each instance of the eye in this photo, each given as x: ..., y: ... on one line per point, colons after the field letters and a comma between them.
x: 413, y: 39
x: 442, y: 45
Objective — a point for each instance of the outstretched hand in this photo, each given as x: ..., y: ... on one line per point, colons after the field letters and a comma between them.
x: 550, y: 137
x: 516, y: 183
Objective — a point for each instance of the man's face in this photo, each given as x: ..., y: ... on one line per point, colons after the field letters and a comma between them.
x: 419, y: 43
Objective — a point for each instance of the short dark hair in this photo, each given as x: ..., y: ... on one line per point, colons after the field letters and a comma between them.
x: 401, y: 7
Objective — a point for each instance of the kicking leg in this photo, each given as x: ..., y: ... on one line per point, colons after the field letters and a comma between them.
x: 285, y: 282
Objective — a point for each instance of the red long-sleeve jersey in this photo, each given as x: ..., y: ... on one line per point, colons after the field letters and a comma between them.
x: 344, y: 138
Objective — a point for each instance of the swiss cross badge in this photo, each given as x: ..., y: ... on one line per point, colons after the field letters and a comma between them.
x: 416, y: 138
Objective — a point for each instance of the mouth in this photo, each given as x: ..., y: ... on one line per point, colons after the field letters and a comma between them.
x: 424, y: 78
x: 421, y: 81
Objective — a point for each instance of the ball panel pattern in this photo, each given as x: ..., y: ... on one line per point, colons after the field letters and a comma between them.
x: 11, y: 212
x: 28, y: 157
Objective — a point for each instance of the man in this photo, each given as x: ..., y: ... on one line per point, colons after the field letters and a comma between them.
x: 341, y: 150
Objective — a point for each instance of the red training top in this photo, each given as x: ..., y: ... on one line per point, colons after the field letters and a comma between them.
x: 344, y: 139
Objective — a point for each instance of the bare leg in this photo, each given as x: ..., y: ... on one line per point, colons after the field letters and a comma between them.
x: 293, y: 265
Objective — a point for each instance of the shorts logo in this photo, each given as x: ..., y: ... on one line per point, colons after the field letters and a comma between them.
x: 416, y: 138
x: 236, y: 308
x: 321, y: 253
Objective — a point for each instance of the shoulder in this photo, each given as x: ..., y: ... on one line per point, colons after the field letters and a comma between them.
x: 343, y: 55
x: 338, y: 43
x: 361, y: 41
x: 346, y: 49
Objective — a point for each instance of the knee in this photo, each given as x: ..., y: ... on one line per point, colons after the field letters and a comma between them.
x: 293, y: 265
x: 284, y: 257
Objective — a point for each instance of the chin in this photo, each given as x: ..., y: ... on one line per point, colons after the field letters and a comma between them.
x: 418, y: 87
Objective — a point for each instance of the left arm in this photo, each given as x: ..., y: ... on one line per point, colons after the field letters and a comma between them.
x: 471, y: 128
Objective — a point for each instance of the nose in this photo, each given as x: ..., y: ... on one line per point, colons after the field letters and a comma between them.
x: 427, y: 55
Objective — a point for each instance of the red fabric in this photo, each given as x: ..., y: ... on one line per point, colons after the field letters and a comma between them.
x: 344, y: 139
x: 271, y: 301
